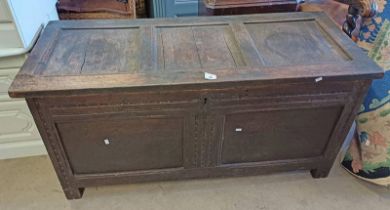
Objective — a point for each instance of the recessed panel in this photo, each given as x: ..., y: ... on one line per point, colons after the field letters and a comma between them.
x: 6, y: 78
x: 95, y: 51
x: 114, y: 145
x: 16, y: 123
x: 294, y: 43
x: 277, y: 135
x: 198, y: 47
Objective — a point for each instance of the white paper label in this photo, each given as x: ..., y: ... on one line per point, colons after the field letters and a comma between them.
x: 210, y: 76
x: 368, y: 143
x: 106, y: 141
x: 238, y: 129
x: 318, y: 79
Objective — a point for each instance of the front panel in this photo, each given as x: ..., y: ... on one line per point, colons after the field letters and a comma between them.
x: 109, y: 144
x: 124, y: 131
x: 276, y: 123
x: 255, y: 136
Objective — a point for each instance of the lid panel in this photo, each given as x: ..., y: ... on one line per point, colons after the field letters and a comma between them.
x: 294, y: 43
x: 178, y: 49
x: 152, y: 53
x: 94, y: 51
x: 197, y: 47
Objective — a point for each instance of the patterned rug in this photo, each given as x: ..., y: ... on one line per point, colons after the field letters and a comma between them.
x: 369, y: 157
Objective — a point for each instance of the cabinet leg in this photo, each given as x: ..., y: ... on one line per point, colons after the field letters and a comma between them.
x: 319, y: 173
x: 74, y: 193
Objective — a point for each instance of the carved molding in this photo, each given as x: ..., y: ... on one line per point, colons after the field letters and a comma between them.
x: 204, y: 141
x: 21, y: 149
x: 159, y: 8
x: 6, y: 77
x: 196, y: 138
x: 17, y: 123
x: 53, y: 146
x: 5, y: 82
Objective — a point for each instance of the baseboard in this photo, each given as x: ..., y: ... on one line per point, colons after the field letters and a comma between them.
x: 22, y: 149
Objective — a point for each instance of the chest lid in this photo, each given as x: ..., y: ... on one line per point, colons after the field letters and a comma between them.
x: 80, y: 55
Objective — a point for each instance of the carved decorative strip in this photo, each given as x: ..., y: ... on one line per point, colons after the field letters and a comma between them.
x: 197, y: 131
x: 54, y: 147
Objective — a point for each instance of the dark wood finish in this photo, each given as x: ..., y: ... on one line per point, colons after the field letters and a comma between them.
x: 332, y: 8
x: 347, y: 13
x: 126, y: 143
x: 126, y: 101
x: 141, y: 8
x: 234, y: 7
x: 252, y: 136
x: 96, y: 9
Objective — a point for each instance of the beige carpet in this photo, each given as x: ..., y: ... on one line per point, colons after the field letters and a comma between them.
x: 30, y: 183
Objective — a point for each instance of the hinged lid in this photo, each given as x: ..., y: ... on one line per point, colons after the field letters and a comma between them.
x: 298, y: 47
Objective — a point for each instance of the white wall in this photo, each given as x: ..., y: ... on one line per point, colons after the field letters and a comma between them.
x: 30, y: 14
x: 19, y: 22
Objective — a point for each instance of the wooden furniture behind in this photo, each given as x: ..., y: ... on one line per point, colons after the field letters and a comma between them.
x: 175, y: 8
x: 335, y: 10
x: 231, y: 7
x: 96, y: 9
x: 127, y: 101
x: 140, y: 7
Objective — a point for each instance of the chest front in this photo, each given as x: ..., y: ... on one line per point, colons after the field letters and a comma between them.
x: 144, y: 100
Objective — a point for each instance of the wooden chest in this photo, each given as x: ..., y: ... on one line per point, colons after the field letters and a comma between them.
x: 143, y: 100
x: 96, y: 9
x: 231, y: 7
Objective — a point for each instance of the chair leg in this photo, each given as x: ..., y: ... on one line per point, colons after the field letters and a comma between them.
x: 351, y: 25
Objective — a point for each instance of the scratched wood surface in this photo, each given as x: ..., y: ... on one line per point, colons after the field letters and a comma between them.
x: 74, y: 55
x: 127, y: 101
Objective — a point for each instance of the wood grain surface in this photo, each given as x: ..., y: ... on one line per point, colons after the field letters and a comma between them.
x: 109, y: 54
x: 127, y: 101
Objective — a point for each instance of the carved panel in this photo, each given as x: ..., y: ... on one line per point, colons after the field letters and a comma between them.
x: 14, y: 62
x: 205, y: 141
x: 16, y: 123
x: 6, y: 77
x: 308, y: 45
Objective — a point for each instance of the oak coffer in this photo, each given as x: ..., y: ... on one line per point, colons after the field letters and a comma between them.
x: 142, y: 100
x: 231, y: 7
